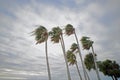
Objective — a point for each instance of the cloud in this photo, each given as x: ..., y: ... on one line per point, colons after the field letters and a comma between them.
x: 18, y: 52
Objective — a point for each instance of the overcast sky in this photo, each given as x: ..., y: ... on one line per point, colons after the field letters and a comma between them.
x: 21, y: 59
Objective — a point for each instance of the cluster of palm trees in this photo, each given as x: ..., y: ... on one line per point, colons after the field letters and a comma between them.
x: 71, y: 57
x: 56, y: 36
x: 107, y: 67
x: 87, y: 44
x: 110, y: 68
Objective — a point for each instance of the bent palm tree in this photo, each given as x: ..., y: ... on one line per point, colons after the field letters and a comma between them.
x: 69, y: 30
x: 41, y: 35
x: 56, y: 37
x: 71, y: 58
x: 87, y: 44
x: 74, y: 49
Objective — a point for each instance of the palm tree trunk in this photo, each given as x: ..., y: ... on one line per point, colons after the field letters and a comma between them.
x: 80, y: 56
x: 63, y: 47
x: 78, y: 71
x: 48, y: 68
x: 115, y: 78
x: 87, y: 75
x: 96, y: 67
x: 112, y: 77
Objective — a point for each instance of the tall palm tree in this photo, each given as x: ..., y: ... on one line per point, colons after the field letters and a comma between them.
x: 87, y: 44
x: 69, y: 30
x: 56, y: 37
x: 71, y: 58
x: 41, y: 35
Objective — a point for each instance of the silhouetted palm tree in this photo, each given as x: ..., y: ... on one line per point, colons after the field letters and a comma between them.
x: 56, y: 37
x: 69, y: 30
x: 41, y: 35
x: 71, y: 58
x: 87, y: 44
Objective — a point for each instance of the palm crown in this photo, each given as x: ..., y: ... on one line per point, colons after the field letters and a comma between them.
x: 55, y: 34
x: 69, y: 29
x: 71, y: 57
x: 89, y: 61
x: 74, y: 47
x: 41, y: 34
x: 86, y: 43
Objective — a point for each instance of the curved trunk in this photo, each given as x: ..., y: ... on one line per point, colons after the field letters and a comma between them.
x: 48, y: 68
x: 63, y: 48
x: 96, y: 67
x: 78, y: 71
x: 80, y: 56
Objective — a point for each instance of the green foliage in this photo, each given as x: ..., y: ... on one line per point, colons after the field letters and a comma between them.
x: 74, y: 48
x: 110, y: 68
x: 69, y: 29
x: 55, y: 34
x: 71, y: 58
x: 86, y: 43
x: 41, y: 34
x: 89, y: 61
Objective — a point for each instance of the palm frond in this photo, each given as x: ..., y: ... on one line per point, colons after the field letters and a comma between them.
x: 86, y: 42
x: 74, y: 47
x: 69, y: 29
x: 55, y: 34
x: 41, y: 34
x: 71, y: 58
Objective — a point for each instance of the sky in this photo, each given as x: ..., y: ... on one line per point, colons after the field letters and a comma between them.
x: 21, y: 59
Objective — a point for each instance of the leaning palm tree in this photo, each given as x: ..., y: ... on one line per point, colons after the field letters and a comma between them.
x: 69, y: 30
x: 41, y: 35
x: 74, y: 49
x: 71, y: 58
x: 56, y: 37
x: 87, y: 44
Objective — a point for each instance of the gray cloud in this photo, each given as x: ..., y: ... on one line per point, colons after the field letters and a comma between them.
x: 21, y: 58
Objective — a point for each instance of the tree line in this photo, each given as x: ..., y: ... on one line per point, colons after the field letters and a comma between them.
x: 57, y: 36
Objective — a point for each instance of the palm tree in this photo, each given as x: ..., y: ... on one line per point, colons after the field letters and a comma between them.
x: 74, y: 49
x: 71, y: 58
x: 41, y: 35
x: 56, y: 37
x: 69, y: 30
x: 110, y: 68
x: 87, y: 44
